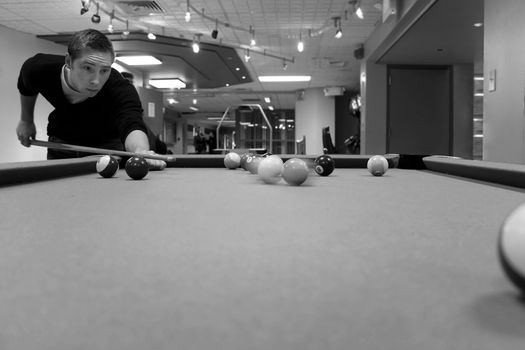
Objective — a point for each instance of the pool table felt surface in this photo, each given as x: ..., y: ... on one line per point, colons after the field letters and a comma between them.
x: 213, y: 258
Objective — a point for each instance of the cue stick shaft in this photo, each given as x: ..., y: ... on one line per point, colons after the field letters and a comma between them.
x: 65, y: 146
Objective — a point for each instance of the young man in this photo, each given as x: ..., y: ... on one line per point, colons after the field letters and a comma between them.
x: 94, y: 105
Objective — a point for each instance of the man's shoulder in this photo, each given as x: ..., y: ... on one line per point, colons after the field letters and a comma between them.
x: 44, y: 62
x: 45, y: 58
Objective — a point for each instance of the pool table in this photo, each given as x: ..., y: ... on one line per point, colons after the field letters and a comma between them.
x: 196, y: 257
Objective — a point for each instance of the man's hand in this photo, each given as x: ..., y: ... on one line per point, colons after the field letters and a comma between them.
x: 154, y: 164
x: 26, y: 131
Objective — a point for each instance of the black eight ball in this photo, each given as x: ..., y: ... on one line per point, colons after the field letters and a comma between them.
x: 324, y: 165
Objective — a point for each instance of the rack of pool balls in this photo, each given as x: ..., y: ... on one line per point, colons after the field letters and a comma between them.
x: 136, y: 167
x: 271, y: 168
x: 295, y: 171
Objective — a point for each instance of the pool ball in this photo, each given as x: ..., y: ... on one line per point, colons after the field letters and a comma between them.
x: 244, y: 158
x: 324, y: 165
x: 511, y: 247
x: 377, y: 165
x: 232, y: 160
x: 252, y: 163
x: 270, y: 169
x: 295, y: 171
x: 107, y: 166
x: 137, y: 168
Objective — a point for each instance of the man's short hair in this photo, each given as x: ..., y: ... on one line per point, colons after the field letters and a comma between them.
x: 89, y: 39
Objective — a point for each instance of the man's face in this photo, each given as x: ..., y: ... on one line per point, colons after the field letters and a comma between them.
x: 89, y: 72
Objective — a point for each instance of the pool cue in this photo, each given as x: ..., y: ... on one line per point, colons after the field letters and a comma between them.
x: 65, y: 146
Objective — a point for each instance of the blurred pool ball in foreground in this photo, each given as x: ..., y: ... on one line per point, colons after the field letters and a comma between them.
x: 511, y: 247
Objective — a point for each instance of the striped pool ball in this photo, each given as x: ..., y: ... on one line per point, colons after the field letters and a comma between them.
x: 377, y: 165
x: 232, y: 160
x: 107, y: 166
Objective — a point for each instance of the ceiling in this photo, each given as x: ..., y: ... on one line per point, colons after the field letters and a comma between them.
x: 276, y: 25
x: 444, y: 35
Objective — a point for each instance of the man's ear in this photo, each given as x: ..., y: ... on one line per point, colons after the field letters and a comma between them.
x: 68, y: 61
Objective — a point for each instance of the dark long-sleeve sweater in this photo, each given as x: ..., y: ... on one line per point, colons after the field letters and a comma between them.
x: 113, y: 113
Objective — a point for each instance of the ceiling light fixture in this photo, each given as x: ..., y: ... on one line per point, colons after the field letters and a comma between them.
x: 110, y: 25
x: 172, y: 101
x: 187, y: 17
x: 300, y: 44
x: 247, y: 56
x: 358, y: 11
x: 196, y: 41
x: 267, y: 100
x: 96, y: 17
x: 85, y: 6
x: 167, y: 83
x: 126, y: 32
x: 193, y: 108
x: 337, y: 24
x: 151, y: 36
x: 143, y: 60
x: 252, y: 40
x: 215, y: 32
x: 283, y: 78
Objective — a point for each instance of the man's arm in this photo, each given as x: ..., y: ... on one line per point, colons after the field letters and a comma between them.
x: 26, y: 128
x: 137, y: 142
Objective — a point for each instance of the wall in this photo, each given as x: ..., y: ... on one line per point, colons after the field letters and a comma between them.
x: 373, y: 109
x: 504, y: 54
x: 16, y: 48
x: 312, y: 113
x: 153, y: 118
x: 373, y: 76
x: 463, y: 110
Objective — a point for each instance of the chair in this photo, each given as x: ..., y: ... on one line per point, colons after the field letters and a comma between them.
x: 328, y: 146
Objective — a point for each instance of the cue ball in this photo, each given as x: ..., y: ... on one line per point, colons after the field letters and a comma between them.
x: 107, y: 166
x: 137, y: 168
x: 232, y: 160
x: 511, y: 247
x: 377, y: 165
x: 295, y: 171
x: 324, y: 165
x: 270, y: 169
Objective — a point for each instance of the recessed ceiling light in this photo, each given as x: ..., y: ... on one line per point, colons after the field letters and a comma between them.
x: 267, y: 100
x: 144, y: 60
x: 167, y: 83
x: 478, y: 24
x: 283, y: 78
